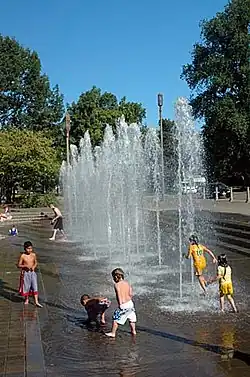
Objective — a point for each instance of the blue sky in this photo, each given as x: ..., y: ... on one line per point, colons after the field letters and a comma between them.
x: 134, y: 48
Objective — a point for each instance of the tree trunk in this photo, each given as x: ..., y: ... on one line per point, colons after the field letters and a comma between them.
x: 8, y: 195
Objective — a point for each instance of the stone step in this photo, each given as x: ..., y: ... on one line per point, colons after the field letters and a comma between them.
x: 19, y: 220
x: 233, y: 248
x: 232, y: 224
x: 235, y: 241
x: 233, y: 232
x: 26, y: 217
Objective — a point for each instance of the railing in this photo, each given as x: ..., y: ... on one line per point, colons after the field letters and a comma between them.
x: 235, y: 195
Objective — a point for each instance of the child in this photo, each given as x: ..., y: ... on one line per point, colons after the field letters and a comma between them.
x: 7, y: 213
x: 28, y: 278
x: 13, y: 231
x: 196, y: 251
x: 224, y: 275
x: 95, y: 306
x: 57, y: 221
x: 126, y: 309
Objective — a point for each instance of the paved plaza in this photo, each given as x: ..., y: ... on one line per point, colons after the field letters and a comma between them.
x: 54, y: 342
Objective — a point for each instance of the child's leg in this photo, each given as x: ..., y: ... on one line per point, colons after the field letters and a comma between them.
x: 34, y: 287
x: 37, y: 302
x: 222, y: 302
x: 231, y: 300
x: 63, y: 233
x: 202, y: 283
x: 132, y: 328
x: 54, y: 235
x: 113, y: 330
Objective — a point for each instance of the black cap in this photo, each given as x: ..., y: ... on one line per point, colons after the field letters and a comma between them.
x: 194, y: 238
x: 222, y: 260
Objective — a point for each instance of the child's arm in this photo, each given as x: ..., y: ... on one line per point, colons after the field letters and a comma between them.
x: 188, y: 255
x: 35, y: 262
x: 20, y: 261
x: 214, y: 279
x: 210, y: 253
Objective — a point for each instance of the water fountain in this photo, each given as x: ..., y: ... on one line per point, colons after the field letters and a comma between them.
x: 113, y: 207
x: 190, y: 166
x: 104, y: 191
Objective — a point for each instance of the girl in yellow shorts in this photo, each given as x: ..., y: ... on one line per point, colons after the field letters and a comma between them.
x: 197, y: 251
x: 224, y: 275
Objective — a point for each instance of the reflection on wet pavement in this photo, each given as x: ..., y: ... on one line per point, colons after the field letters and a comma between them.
x: 168, y: 344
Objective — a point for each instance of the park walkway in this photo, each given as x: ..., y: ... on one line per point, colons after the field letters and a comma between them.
x: 167, y: 344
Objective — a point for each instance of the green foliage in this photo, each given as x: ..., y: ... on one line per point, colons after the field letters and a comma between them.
x: 27, y: 161
x: 36, y: 200
x: 219, y: 76
x: 26, y: 99
x: 170, y: 150
x: 94, y: 110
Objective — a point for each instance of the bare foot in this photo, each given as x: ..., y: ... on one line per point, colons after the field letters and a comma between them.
x: 26, y: 302
x: 109, y: 334
x: 133, y: 333
x: 102, y: 323
x: 52, y: 239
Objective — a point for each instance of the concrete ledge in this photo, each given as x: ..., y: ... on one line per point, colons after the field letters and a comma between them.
x: 35, y: 365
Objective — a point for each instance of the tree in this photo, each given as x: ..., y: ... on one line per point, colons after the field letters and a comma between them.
x: 94, y: 110
x: 27, y: 161
x: 26, y: 99
x: 133, y: 112
x: 219, y: 78
x: 170, y: 150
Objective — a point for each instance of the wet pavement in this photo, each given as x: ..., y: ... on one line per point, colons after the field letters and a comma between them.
x: 55, y: 342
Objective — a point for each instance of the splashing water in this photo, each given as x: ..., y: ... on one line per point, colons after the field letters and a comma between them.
x: 190, y: 166
x: 104, y: 192
x: 113, y: 208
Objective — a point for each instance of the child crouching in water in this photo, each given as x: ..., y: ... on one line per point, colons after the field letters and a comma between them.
x: 126, y: 309
x: 224, y: 275
x: 95, y: 306
x: 13, y: 231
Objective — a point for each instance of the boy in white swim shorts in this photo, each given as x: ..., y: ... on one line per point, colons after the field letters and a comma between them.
x: 126, y: 309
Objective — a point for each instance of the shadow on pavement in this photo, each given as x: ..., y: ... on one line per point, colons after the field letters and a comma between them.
x: 62, y: 307
x: 9, y: 293
x: 85, y: 324
x: 226, y: 353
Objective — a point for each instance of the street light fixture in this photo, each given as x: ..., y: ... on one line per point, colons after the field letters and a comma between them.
x: 160, y: 105
x: 67, y: 126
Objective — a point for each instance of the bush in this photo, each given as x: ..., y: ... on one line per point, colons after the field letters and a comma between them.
x: 38, y: 200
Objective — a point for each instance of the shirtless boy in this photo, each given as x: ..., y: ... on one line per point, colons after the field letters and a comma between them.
x: 95, y: 306
x: 28, y: 280
x: 57, y: 221
x: 126, y: 309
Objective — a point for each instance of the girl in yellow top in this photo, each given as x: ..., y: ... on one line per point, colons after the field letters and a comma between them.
x: 224, y: 275
x: 197, y: 251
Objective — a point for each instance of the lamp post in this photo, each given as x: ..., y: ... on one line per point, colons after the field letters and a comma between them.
x: 67, y: 121
x: 160, y: 105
